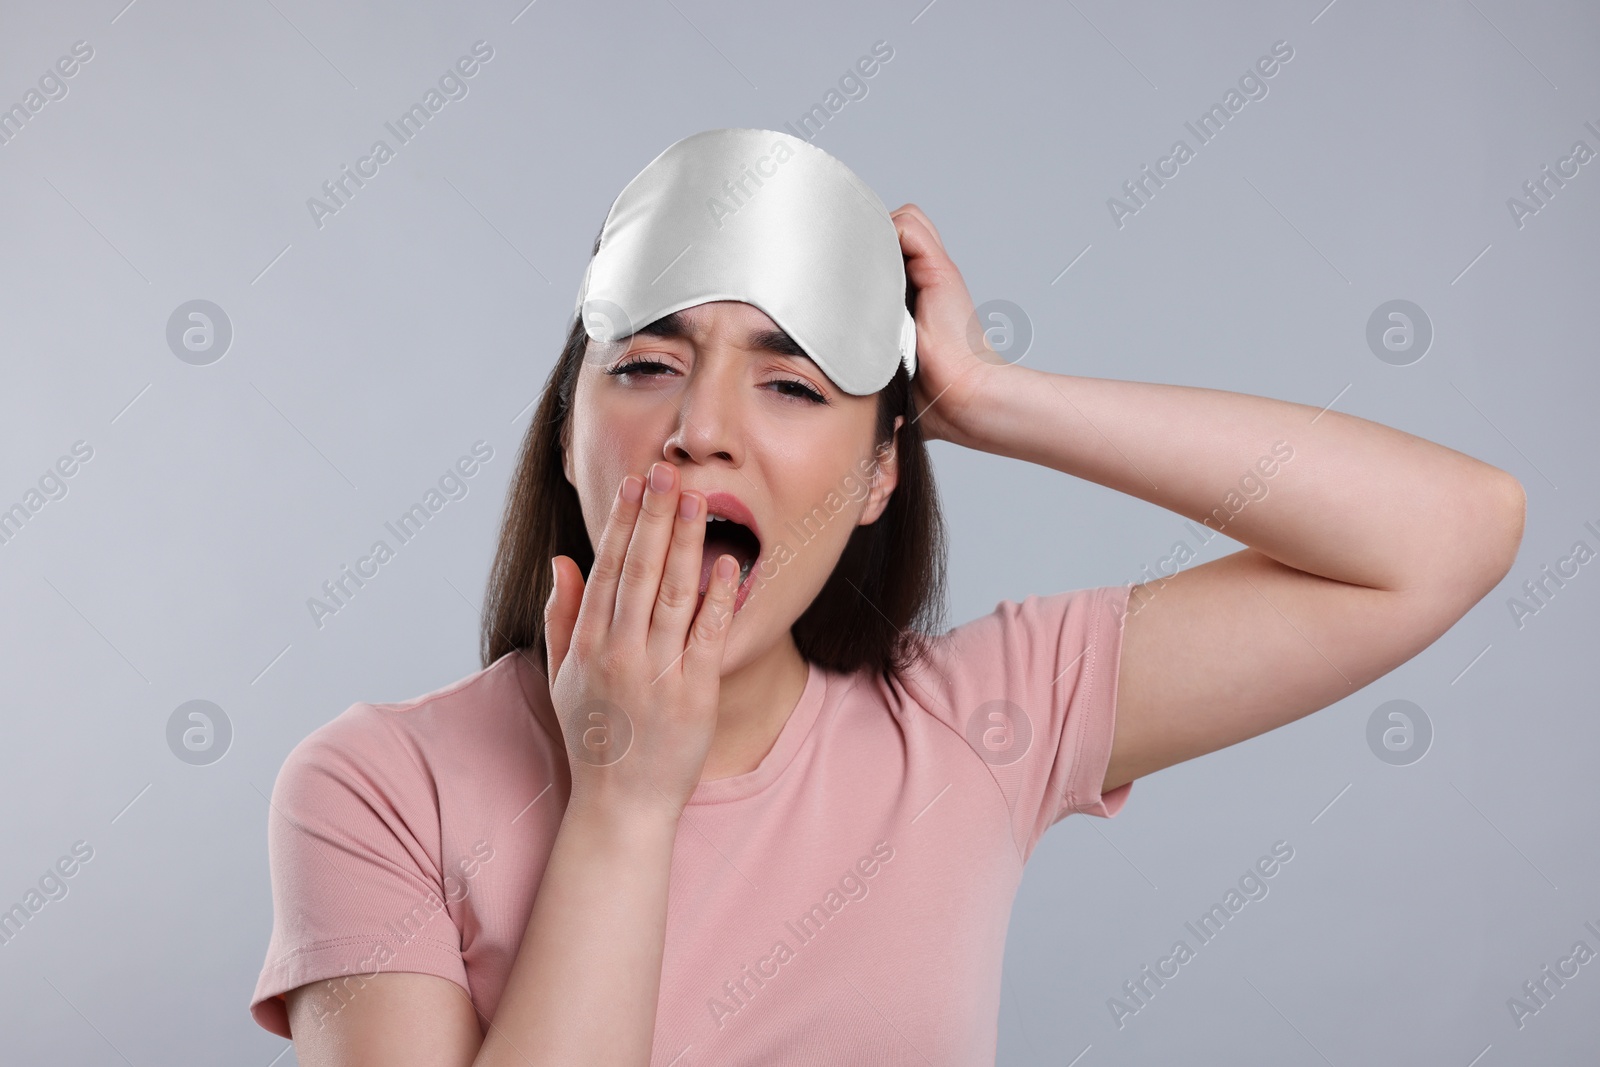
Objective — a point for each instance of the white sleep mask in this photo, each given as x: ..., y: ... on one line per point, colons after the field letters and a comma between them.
x: 768, y: 219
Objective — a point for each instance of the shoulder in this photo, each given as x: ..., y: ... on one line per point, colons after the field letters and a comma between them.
x: 1030, y: 688
x: 392, y: 749
x: 1029, y: 645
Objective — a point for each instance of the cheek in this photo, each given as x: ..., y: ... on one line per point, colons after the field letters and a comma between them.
x: 818, y: 525
x: 606, y: 446
x: 599, y: 478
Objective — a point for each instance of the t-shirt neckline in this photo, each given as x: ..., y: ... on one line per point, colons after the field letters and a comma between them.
x: 790, y: 738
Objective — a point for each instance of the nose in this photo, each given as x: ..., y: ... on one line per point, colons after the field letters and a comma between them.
x: 711, y: 419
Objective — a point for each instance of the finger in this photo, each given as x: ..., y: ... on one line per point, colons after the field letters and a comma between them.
x: 599, y: 598
x: 922, y: 216
x: 680, y: 583
x: 647, y: 550
x: 926, y: 261
x: 561, y: 614
x: 708, y: 637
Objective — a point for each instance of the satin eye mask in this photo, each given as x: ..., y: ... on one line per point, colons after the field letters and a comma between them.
x: 768, y: 219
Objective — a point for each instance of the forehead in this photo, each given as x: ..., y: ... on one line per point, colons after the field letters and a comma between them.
x: 756, y: 329
x: 735, y: 312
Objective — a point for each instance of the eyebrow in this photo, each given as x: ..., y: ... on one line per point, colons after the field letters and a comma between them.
x: 676, y: 325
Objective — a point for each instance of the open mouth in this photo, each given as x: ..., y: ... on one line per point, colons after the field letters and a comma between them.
x: 724, y: 535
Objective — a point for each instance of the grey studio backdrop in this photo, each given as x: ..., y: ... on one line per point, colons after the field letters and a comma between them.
x: 228, y: 458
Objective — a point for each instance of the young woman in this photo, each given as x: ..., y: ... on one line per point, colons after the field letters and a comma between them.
x: 675, y: 822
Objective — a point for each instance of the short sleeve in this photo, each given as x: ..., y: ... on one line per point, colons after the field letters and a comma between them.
x: 1032, y: 689
x: 353, y: 841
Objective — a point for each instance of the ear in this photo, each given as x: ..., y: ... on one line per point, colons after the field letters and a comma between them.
x: 566, y: 450
x: 886, y: 475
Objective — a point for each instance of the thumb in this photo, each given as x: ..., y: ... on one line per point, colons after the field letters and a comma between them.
x: 560, y: 614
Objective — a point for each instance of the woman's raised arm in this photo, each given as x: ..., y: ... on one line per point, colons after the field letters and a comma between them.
x: 1366, y: 543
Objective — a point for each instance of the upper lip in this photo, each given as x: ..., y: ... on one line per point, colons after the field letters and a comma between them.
x: 731, y: 507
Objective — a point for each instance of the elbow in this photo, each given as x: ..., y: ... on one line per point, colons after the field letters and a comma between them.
x: 1498, y: 513
x: 1472, y: 550
x: 1508, y: 514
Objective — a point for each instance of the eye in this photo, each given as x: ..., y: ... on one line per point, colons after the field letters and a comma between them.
x: 802, y: 390
x: 792, y: 388
x: 632, y: 367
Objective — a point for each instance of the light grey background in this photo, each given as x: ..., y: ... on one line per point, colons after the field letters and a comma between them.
x: 368, y: 354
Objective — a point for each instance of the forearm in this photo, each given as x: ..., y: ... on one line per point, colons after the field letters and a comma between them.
x: 1354, y: 501
x: 586, y: 979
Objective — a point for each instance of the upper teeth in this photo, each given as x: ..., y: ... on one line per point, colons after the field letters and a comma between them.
x: 716, y: 518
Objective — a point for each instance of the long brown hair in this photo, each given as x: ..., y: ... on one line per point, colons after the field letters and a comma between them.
x: 885, y: 595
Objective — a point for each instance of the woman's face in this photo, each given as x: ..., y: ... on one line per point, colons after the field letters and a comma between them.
x: 714, y: 393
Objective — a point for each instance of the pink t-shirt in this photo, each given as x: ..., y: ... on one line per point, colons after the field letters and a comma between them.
x: 846, y: 901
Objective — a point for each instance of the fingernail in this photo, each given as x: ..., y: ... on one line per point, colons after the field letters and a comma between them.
x: 688, y: 506
x: 633, y: 489
x: 725, y: 567
x: 660, y: 477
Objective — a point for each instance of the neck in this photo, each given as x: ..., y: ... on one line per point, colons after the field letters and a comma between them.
x: 755, y: 703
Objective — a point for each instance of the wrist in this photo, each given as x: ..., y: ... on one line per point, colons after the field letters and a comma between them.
x: 982, y: 391
x: 611, y: 815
